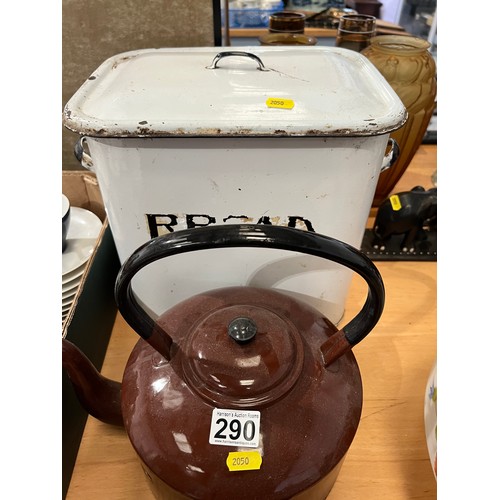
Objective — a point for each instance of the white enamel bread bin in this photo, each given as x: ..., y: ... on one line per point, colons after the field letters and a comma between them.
x: 185, y: 137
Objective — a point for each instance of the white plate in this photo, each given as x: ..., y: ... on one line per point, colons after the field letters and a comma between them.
x: 68, y: 301
x: 71, y: 276
x: 430, y: 418
x: 84, y: 229
x: 71, y: 284
x: 71, y: 292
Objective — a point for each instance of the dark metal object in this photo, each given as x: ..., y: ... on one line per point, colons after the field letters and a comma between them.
x: 242, y: 329
x: 217, y: 22
x: 392, y: 156
x: 405, y: 227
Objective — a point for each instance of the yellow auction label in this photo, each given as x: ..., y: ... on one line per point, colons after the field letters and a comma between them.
x: 243, y: 460
x: 395, y: 202
x: 278, y: 102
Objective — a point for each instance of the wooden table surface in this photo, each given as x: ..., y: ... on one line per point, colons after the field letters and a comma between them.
x: 388, y: 458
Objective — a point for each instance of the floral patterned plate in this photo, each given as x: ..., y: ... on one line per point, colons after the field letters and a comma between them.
x: 430, y: 417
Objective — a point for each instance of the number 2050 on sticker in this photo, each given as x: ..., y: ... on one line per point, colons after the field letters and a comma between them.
x: 235, y: 428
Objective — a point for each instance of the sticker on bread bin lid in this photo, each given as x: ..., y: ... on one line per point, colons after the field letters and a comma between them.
x: 235, y: 428
x: 280, y: 103
x: 243, y: 460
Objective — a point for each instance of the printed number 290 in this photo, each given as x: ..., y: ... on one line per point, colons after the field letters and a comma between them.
x: 234, y: 430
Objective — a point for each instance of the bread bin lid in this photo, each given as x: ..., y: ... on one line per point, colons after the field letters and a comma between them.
x: 274, y: 91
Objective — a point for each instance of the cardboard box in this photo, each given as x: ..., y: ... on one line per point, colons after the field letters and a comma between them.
x: 92, y: 315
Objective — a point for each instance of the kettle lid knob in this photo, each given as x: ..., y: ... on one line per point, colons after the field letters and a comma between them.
x: 242, y: 330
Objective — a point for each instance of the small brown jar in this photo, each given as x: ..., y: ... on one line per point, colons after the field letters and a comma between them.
x: 287, y: 28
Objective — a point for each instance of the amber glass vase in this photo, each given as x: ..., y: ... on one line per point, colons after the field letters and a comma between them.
x: 410, y: 69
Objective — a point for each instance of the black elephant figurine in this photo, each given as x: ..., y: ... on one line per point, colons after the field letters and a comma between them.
x: 407, y: 213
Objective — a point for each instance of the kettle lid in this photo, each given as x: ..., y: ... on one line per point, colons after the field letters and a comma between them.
x: 243, y: 354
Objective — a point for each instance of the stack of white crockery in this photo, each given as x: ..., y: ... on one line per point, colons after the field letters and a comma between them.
x: 82, y: 233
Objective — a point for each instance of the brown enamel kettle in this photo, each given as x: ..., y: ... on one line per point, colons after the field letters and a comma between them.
x: 238, y: 392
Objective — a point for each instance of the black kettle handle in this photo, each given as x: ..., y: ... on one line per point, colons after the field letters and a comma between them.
x: 251, y: 235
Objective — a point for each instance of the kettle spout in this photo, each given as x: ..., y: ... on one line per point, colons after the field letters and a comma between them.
x: 100, y: 396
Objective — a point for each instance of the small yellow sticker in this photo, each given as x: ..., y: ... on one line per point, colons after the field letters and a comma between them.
x: 395, y: 202
x: 243, y: 460
x: 279, y: 102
